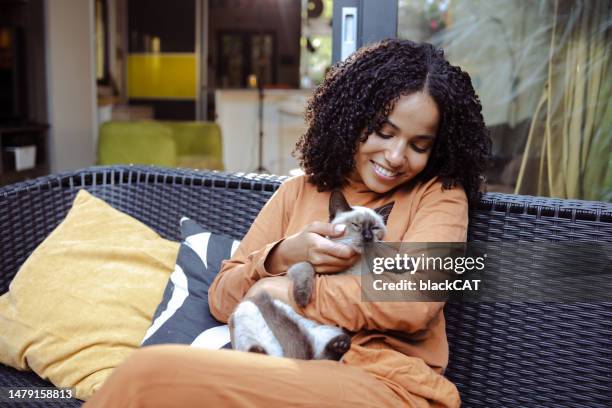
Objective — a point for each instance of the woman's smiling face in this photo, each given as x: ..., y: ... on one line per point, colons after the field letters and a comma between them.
x: 399, y: 150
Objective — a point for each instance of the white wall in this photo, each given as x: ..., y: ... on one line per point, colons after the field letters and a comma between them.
x: 283, y: 124
x: 71, y: 83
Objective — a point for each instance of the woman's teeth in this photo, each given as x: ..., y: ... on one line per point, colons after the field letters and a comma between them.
x: 384, y: 172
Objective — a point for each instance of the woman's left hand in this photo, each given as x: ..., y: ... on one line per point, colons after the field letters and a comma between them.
x: 278, y: 287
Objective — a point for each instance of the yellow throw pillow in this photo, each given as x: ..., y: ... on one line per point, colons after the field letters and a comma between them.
x: 82, y: 302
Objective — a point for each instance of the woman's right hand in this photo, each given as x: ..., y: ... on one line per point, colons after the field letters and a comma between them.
x: 311, y: 245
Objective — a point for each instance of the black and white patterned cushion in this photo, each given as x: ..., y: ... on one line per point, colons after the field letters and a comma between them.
x: 183, y: 315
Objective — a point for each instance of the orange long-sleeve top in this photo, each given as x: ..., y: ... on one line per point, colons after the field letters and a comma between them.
x: 401, y: 343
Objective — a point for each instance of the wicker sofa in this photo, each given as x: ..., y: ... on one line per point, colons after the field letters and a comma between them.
x: 502, y: 354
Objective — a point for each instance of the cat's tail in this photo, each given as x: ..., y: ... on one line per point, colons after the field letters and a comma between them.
x: 327, y: 342
x: 291, y: 336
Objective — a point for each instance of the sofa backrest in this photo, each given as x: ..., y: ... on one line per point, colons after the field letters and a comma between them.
x: 502, y: 354
x: 193, y: 138
x: 533, y: 354
x: 140, y: 142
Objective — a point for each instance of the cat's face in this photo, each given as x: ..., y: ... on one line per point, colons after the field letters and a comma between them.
x: 363, y: 225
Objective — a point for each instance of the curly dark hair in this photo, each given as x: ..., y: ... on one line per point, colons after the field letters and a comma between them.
x: 358, y: 94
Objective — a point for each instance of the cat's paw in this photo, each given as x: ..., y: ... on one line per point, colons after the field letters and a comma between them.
x: 257, y: 349
x: 337, y: 346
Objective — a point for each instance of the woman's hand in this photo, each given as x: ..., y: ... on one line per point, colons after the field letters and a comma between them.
x: 311, y: 245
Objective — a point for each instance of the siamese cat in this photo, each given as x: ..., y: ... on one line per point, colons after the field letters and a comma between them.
x: 269, y: 326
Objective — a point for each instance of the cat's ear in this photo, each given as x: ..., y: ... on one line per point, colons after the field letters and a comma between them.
x: 337, y: 204
x: 384, y: 211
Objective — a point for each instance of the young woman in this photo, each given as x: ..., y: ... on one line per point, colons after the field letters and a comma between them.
x: 395, y: 123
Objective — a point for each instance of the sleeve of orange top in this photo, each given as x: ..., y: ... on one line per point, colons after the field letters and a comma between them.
x: 246, y: 266
x: 441, y: 216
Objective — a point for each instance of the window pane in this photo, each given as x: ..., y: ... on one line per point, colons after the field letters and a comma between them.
x: 316, y: 42
x: 262, y: 57
x: 512, y: 49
